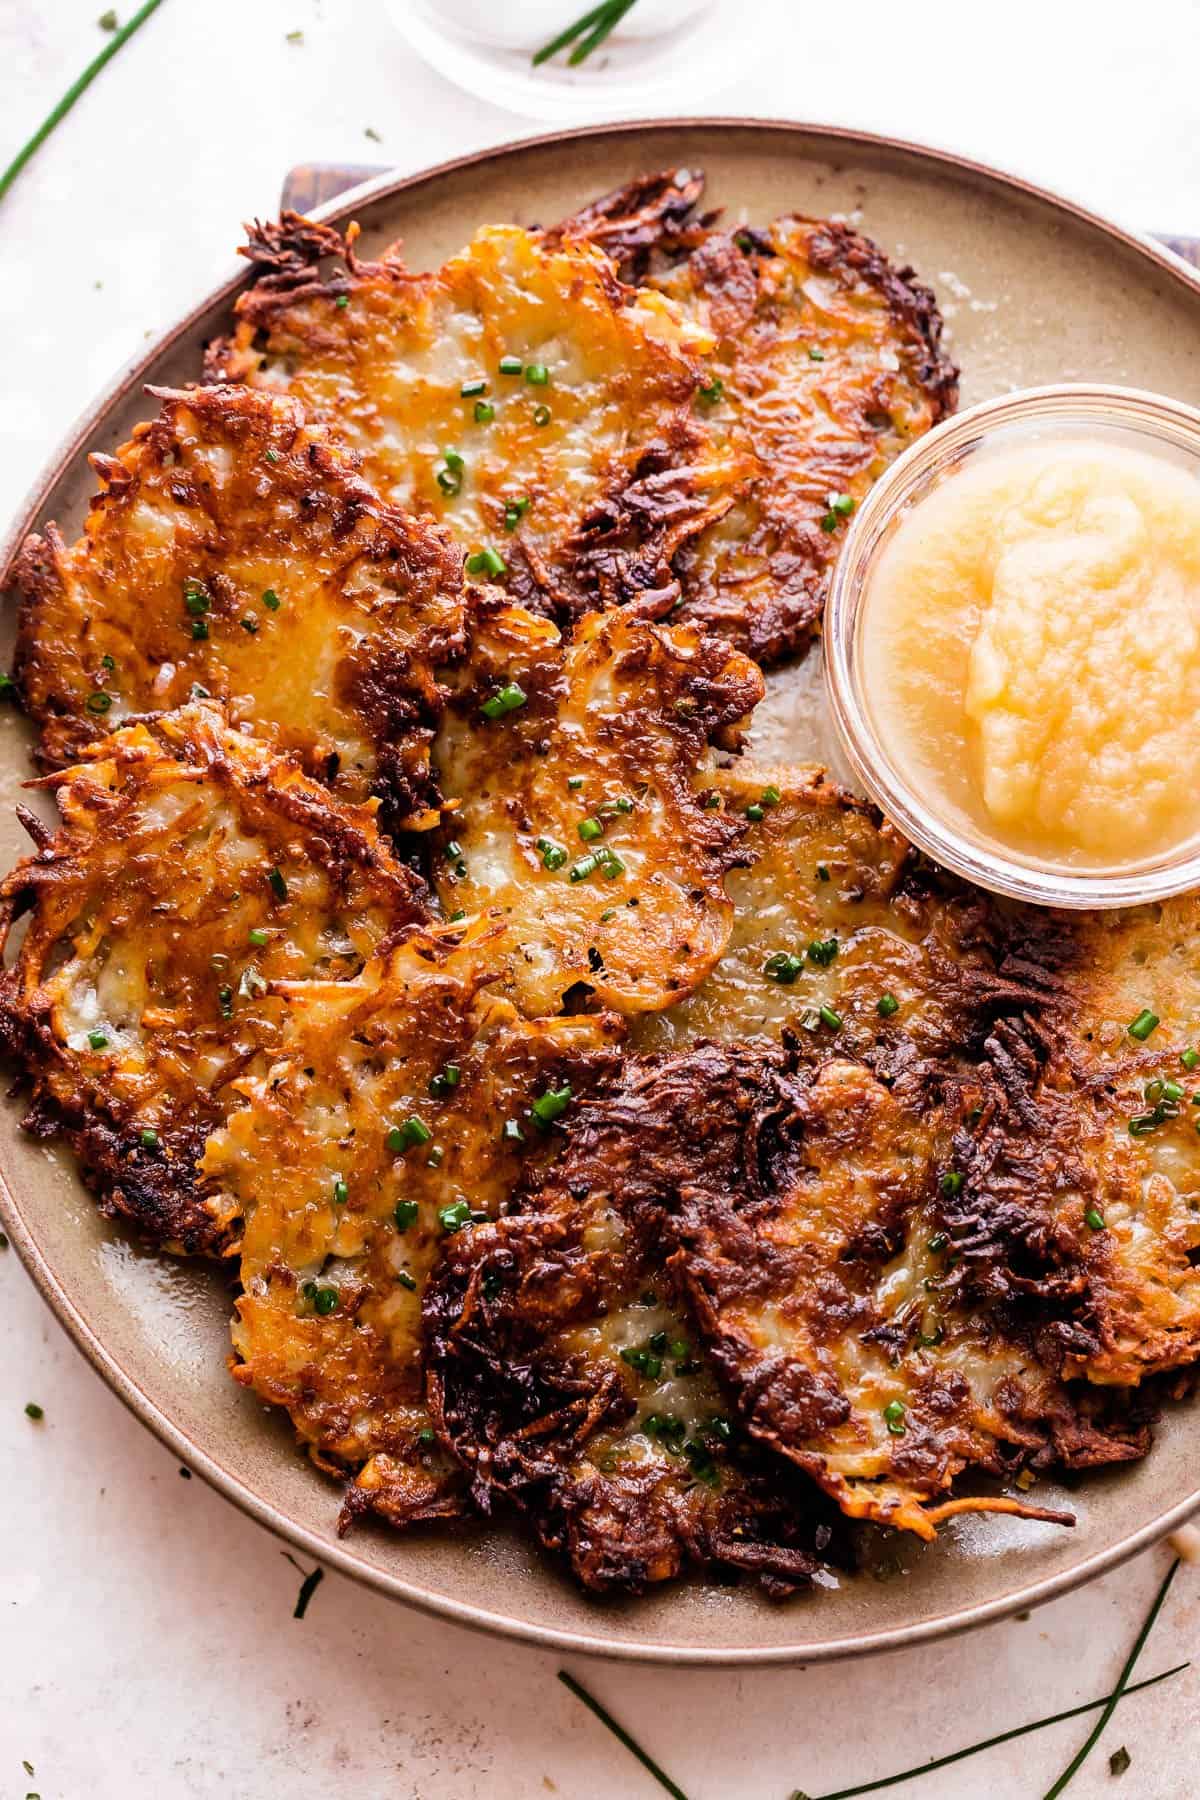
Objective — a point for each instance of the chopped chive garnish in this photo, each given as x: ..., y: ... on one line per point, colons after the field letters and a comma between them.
x: 951, y: 1182
x: 510, y: 697
x: 1172, y: 1091
x: 33, y: 1410
x: 815, y: 355
x: 272, y: 456
x: 249, y: 623
x: 1190, y: 1058
x: 469, y: 389
x: 445, y: 1081
x: 271, y: 600
x: 196, y: 600
x: 8, y: 686
x: 511, y: 365
x: 553, y: 855
x: 542, y: 415
x: 258, y: 937
x: 403, y: 1137
x: 225, y: 1001
x: 99, y: 702
x: 537, y: 375
x: 454, y: 461
x: 342, y: 301
x: 829, y: 1017
x: 590, y: 829
x: 841, y: 504
x: 326, y: 1300
x: 823, y: 951
x: 770, y: 796
x: 98, y: 1040
x: 427, y: 1435
x: 783, y: 967
x: 886, y: 1005
x: 484, y: 412
x: 712, y: 391
x: 893, y: 1417
x: 341, y: 1193
x: 514, y: 512
x: 551, y: 1105
x: 938, y: 1241
x: 1094, y: 1219
x: 453, y: 1217
x: 755, y: 813
x: 584, y: 867
x: 610, y: 863
x: 449, y: 481
x: 149, y: 1139
x: 406, y: 1280
x: 199, y: 630
x: 1143, y: 1025
x: 405, y: 1214
x: 277, y: 884
x: 486, y: 562
x: 822, y: 872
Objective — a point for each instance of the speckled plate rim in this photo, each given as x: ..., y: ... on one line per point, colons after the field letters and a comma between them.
x: 133, y: 1395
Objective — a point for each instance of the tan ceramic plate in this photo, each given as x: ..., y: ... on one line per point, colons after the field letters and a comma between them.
x: 1035, y: 291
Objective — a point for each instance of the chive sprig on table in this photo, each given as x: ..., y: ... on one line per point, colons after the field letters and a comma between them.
x: 80, y: 86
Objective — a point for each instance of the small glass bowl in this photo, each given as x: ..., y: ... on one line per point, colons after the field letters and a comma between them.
x: 658, y: 54
x: 1129, y: 416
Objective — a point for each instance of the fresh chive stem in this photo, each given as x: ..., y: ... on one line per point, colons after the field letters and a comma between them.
x: 1003, y: 1737
x: 571, y: 33
x: 1085, y: 1749
x: 613, y: 15
x: 622, y: 1736
x: 78, y: 87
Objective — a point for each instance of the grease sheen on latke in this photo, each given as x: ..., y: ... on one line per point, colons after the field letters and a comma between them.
x: 234, y: 549
x: 192, y: 869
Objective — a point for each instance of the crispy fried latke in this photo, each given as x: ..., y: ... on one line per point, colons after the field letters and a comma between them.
x: 398, y: 1106
x: 234, y: 549
x: 828, y: 363
x: 833, y: 909
x: 193, y: 868
x: 574, y: 815
x: 564, y: 1381
x: 794, y: 1199
x: 583, y: 469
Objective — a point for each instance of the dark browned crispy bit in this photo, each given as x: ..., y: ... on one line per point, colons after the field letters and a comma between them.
x: 1081, y: 1199
x: 649, y: 217
x: 574, y: 813
x: 193, y: 868
x: 828, y: 364
x: 520, y: 393
x: 798, y: 1201
x: 562, y: 1378
x: 234, y: 550
x: 376, y: 1130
